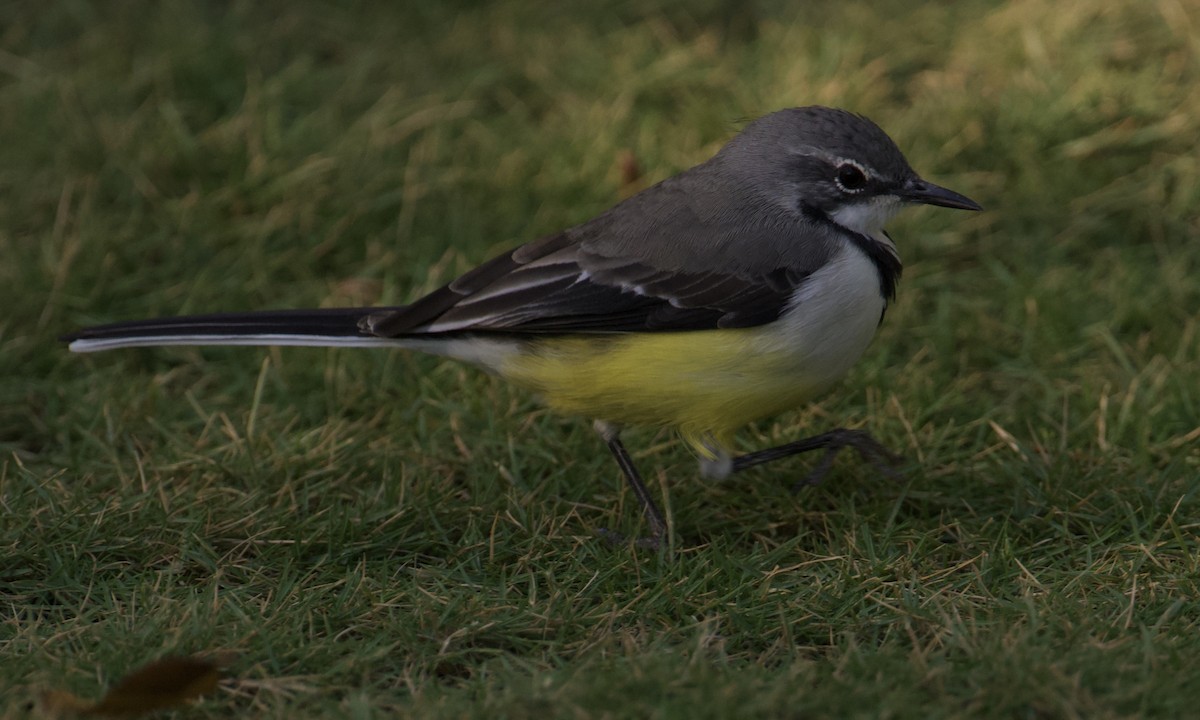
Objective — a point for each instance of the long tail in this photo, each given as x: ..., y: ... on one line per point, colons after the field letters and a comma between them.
x: 332, y: 327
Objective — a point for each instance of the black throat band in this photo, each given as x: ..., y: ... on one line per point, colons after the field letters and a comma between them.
x: 886, y: 263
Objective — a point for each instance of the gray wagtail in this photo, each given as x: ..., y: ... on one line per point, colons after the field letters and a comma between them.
x: 740, y: 288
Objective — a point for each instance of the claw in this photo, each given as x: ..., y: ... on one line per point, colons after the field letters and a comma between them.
x: 832, y: 442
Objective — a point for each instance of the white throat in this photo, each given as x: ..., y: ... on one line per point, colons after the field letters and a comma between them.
x: 867, y: 217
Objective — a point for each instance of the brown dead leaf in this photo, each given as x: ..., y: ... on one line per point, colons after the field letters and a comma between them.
x: 61, y: 704
x: 165, y: 683
x: 630, y: 173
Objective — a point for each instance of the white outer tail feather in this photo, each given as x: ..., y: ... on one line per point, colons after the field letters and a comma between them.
x: 488, y: 353
x: 266, y: 340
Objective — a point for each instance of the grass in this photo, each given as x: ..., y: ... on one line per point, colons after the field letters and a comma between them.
x: 383, y: 534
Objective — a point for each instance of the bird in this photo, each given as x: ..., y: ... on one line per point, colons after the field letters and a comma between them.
x: 738, y: 289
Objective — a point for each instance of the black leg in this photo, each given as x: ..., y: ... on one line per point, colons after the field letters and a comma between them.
x: 654, y: 516
x: 831, y: 442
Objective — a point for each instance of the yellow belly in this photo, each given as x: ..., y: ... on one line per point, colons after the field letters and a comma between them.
x: 706, y: 384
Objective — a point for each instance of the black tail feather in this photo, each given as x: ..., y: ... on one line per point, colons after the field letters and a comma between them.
x: 324, y: 322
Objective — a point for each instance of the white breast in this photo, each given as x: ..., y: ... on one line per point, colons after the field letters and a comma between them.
x: 831, y: 318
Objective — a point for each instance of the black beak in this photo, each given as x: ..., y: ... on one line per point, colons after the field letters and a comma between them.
x: 919, y: 191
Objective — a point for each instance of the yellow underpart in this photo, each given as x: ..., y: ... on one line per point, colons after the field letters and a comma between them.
x: 706, y: 384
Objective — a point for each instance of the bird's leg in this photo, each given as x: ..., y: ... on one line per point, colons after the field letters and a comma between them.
x: 654, y: 516
x: 831, y: 442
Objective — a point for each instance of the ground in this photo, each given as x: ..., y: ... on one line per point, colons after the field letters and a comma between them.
x: 379, y: 534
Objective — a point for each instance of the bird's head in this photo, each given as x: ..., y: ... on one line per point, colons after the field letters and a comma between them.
x: 835, y: 163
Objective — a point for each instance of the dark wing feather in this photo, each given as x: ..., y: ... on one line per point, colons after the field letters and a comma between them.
x: 708, y: 268
x: 506, y: 296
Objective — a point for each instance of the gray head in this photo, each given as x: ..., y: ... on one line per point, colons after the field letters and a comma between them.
x: 832, y: 162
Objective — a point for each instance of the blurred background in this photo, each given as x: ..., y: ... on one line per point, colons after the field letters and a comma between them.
x: 1042, y: 364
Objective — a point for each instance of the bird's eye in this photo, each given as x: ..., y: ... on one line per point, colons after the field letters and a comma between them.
x: 850, y: 177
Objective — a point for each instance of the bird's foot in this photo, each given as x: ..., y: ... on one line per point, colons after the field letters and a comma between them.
x: 869, y: 449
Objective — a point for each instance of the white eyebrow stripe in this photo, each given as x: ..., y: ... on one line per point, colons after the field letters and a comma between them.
x: 814, y: 151
x: 848, y: 161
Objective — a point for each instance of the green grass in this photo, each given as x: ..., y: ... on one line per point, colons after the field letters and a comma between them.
x: 379, y: 533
